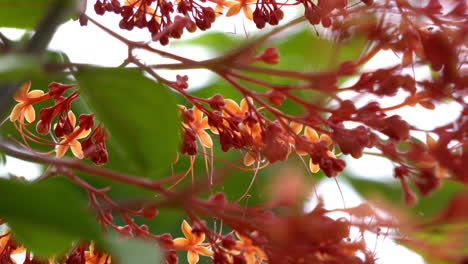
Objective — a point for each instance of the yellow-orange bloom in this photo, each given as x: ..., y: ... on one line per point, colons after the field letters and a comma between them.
x: 24, y: 109
x: 192, y: 243
x: 252, y: 254
x: 71, y: 140
x: 242, y: 4
x: 92, y: 257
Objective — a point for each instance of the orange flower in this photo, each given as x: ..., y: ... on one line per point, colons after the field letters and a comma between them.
x: 71, y: 140
x: 251, y: 253
x: 242, y: 4
x: 5, y: 246
x: 311, y: 135
x: 93, y: 257
x: 192, y: 242
x: 24, y: 109
x: 199, y: 125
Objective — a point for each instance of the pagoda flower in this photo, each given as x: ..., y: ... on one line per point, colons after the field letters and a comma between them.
x: 251, y: 253
x: 92, y: 256
x: 7, y: 248
x: 311, y: 136
x: 24, y: 109
x: 234, y: 9
x: 192, y: 243
x: 199, y: 125
x: 71, y: 140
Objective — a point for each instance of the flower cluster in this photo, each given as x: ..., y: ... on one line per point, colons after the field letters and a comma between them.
x: 244, y: 127
x: 59, y: 118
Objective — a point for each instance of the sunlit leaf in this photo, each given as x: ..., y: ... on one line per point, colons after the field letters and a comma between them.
x: 140, y: 115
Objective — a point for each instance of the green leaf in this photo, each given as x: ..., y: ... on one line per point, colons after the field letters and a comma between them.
x: 46, y: 217
x: 21, y: 13
x: 133, y: 250
x: 18, y: 67
x: 215, y: 41
x: 26, y: 13
x: 140, y: 115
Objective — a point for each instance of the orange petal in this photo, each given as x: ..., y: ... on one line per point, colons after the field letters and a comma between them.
x: 311, y: 134
x: 248, y: 159
x: 219, y: 10
x: 248, y: 12
x: 331, y: 154
x: 198, y: 238
x: 83, y: 133
x: 187, y: 230
x: 72, y: 118
x: 244, y: 106
x: 192, y: 257
x: 232, y: 106
x: 22, y: 93
x: 35, y: 93
x: 296, y: 127
x: 204, y: 251
x: 76, y: 149
x: 205, y: 138
x: 181, y: 242
x: 16, y: 112
x: 197, y: 114
x: 233, y: 10
x: 204, y: 124
x: 327, y: 138
x: 29, y: 113
x: 314, y: 168
x: 60, y: 150
x: 250, y: 258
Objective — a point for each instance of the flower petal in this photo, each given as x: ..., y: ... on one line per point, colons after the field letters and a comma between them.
x: 204, y: 251
x: 29, y: 113
x: 314, y: 168
x: 248, y: 159
x: 35, y: 93
x: 250, y: 258
x: 232, y: 106
x: 16, y: 112
x: 83, y: 133
x: 219, y: 10
x: 187, y: 230
x: 72, y: 118
x: 204, y: 124
x: 244, y: 105
x: 205, y: 138
x: 296, y: 127
x: 192, y: 257
x: 327, y: 138
x: 180, y: 242
x: 197, y: 239
x: 248, y: 12
x: 233, y: 10
x: 22, y: 93
x: 197, y: 114
x: 310, y: 133
x: 76, y: 149
x: 61, y: 149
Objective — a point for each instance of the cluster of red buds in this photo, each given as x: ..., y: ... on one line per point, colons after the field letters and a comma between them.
x: 158, y: 16
x: 63, y: 121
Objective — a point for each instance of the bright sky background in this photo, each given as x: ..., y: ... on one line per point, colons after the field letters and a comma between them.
x: 91, y: 45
